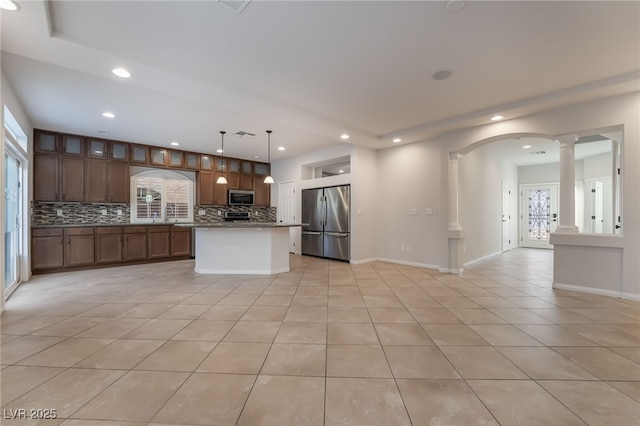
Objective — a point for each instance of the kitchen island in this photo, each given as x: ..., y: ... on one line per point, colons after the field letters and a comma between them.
x: 241, y: 248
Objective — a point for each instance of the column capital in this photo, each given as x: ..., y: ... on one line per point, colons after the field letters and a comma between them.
x: 567, y: 140
x: 454, y: 156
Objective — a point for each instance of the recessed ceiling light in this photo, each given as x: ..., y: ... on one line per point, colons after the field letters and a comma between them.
x: 397, y: 140
x: 344, y: 136
x: 340, y: 171
x: 256, y: 157
x: 497, y: 117
x: 526, y: 146
x: 281, y: 148
x: 442, y: 75
x: 219, y: 151
x: 108, y: 114
x: 121, y: 72
x: 9, y: 5
x: 103, y: 132
x: 454, y: 5
x: 175, y: 143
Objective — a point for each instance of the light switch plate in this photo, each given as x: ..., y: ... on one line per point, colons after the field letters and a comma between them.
x: 119, y: 212
x: 201, y: 212
x: 428, y: 212
x: 413, y: 212
x: 59, y: 212
x: 103, y: 212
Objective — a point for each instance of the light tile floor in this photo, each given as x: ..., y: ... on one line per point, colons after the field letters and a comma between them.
x: 326, y: 344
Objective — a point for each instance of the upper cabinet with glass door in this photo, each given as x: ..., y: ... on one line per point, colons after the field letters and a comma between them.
x: 46, y: 142
x: 72, y: 145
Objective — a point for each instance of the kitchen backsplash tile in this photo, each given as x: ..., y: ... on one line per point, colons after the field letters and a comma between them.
x: 86, y: 213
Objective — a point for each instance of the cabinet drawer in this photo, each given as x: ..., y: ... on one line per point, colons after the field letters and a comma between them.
x: 160, y: 228
x: 107, y: 230
x: 80, y: 231
x: 135, y: 229
x: 46, y: 232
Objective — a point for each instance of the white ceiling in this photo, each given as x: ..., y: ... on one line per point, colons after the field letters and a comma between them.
x: 310, y: 70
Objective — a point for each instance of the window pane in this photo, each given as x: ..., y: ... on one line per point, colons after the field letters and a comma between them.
x: 539, y: 214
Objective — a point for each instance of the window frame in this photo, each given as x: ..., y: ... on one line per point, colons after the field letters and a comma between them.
x: 165, y: 175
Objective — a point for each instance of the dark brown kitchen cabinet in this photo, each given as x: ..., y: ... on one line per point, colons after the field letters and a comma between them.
x: 135, y: 243
x: 261, y: 169
x: 206, y: 162
x: 118, y: 151
x: 72, y: 179
x: 180, y: 241
x: 262, y: 192
x: 79, y: 247
x: 158, y: 156
x: 119, y: 187
x: 47, y: 248
x: 139, y: 154
x: 73, y: 145
x: 192, y: 160
x: 108, y: 244
x: 46, y: 142
x: 107, y: 182
x: 220, y: 191
x: 175, y: 158
x: 45, y: 178
x: 159, y: 238
x: 233, y: 180
x: 97, y: 148
x: 205, y: 188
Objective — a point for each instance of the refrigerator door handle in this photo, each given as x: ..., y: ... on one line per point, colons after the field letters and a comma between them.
x: 324, y: 209
x: 336, y: 234
x: 311, y: 233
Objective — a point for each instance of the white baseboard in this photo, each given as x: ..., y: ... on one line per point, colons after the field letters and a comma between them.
x: 451, y: 271
x: 598, y: 291
x: 361, y: 261
x: 404, y: 262
x: 482, y: 259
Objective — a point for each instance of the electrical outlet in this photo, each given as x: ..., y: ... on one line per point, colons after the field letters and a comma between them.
x: 103, y: 212
x: 428, y: 212
x: 119, y: 212
x: 413, y: 212
x: 201, y: 212
x: 59, y: 212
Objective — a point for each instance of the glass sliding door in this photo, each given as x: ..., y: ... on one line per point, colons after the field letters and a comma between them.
x: 12, y: 217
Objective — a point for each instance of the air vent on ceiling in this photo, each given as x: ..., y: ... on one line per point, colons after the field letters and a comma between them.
x: 244, y: 134
x: 235, y: 5
x: 538, y: 152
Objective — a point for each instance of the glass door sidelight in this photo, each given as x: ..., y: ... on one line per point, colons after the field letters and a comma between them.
x: 13, y: 218
x: 539, y: 217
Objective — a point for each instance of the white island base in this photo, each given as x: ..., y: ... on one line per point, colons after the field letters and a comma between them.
x: 240, y: 250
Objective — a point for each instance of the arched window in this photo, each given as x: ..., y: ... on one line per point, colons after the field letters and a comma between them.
x: 161, y: 196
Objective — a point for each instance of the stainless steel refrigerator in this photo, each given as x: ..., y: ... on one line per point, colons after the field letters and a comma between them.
x: 325, y: 213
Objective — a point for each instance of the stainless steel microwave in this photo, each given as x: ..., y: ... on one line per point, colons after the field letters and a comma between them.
x: 240, y: 198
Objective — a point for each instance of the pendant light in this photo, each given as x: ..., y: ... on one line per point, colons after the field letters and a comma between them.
x: 269, y: 179
x: 222, y: 180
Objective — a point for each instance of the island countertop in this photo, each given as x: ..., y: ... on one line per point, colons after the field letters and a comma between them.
x: 239, y: 225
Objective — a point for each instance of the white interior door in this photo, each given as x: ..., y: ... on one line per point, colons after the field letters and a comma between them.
x: 287, y: 211
x: 13, y: 221
x: 539, y: 217
x: 506, y: 215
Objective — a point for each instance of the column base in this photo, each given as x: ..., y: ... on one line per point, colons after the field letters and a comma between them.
x: 456, y: 251
x: 567, y: 229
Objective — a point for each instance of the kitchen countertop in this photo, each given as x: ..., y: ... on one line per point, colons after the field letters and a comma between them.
x: 240, y: 225
x: 96, y: 225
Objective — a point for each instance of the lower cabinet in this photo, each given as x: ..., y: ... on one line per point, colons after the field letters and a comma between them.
x: 159, y: 241
x: 82, y: 247
x: 108, y: 244
x: 135, y: 243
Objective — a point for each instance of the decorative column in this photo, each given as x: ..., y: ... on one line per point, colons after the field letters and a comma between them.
x: 567, y: 213
x: 456, y: 233
x: 454, y: 214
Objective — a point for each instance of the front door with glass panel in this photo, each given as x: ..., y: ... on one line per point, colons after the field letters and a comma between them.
x: 12, y: 217
x: 539, y: 217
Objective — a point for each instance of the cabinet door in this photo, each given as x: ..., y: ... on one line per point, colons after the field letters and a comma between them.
x: 205, y: 186
x: 221, y: 164
x: 109, y: 248
x: 158, y: 156
x: 139, y: 154
x: 246, y: 182
x: 118, y: 182
x: 97, y: 148
x: 159, y: 243
x: 46, y: 142
x: 72, y: 145
x: 233, y: 180
x: 47, y: 252
x: 79, y: 250
x: 219, y: 191
x: 45, y: 178
x: 234, y: 165
x: 135, y: 246
x: 261, y: 169
x: 176, y: 159
x: 72, y: 172
x: 262, y: 192
x: 181, y: 241
x: 247, y: 167
x: 191, y: 161
x: 118, y: 151
x: 206, y: 162
x: 96, y: 181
